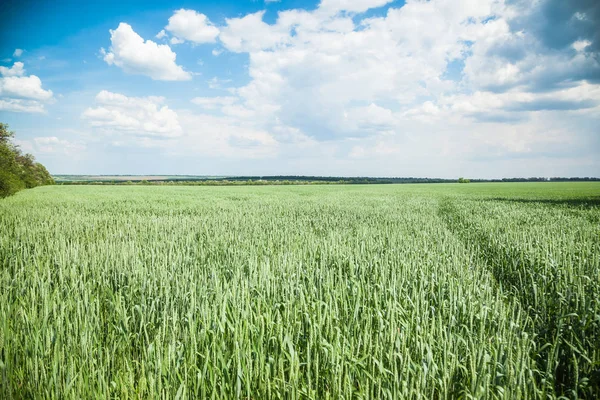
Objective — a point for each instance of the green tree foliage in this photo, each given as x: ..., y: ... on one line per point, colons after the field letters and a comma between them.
x: 17, y: 170
x: 463, y: 180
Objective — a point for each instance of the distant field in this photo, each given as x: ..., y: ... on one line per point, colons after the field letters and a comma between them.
x: 435, y: 291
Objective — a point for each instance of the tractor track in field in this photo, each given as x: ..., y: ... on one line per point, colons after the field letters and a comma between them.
x: 558, y: 352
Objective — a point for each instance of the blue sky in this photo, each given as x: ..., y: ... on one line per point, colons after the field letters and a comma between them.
x: 444, y: 88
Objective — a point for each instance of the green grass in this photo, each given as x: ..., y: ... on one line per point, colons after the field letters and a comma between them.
x: 397, y: 291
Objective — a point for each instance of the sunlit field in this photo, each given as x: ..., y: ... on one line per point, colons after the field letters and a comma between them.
x: 376, y: 291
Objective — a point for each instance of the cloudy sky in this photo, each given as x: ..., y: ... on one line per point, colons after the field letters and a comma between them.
x: 438, y: 88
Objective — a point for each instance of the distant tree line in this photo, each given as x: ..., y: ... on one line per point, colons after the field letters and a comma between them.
x: 553, y: 179
x: 302, y: 180
x: 202, y: 182
x: 17, y: 170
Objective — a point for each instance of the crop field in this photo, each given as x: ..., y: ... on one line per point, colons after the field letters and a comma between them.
x: 377, y: 291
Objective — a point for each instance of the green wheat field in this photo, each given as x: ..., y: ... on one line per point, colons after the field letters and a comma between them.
x: 377, y: 291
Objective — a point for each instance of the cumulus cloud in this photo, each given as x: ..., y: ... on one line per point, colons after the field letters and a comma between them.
x: 17, y: 53
x: 25, y: 87
x: 218, y: 136
x: 313, y: 69
x: 250, y: 33
x: 460, y: 80
x: 335, y: 6
x: 16, y: 70
x: 135, y: 55
x: 19, y: 105
x: 370, y: 119
x: 133, y: 116
x: 557, y: 24
x: 51, y: 145
x: 382, y: 82
x: 511, y: 107
x: 21, y: 93
x: 192, y: 26
x: 212, y: 103
x: 216, y: 83
x: 542, y: 46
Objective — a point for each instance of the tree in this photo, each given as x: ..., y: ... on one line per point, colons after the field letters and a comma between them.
x: 5, y: 133
x: 17, y: 170
x: 463, y: 180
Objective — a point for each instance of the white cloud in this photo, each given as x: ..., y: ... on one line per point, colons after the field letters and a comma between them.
x: 515, y: 102
x: 238, y: 111
x: 396, y: 85
x: 212, y: 103
x: 20, y: 93
x: 216, y: 83
x: 335, y: 6
x: 191, y: 25
x: 50, y: 145
x: 25, y: 87
x: 250, y: 33
x: 438, y: 87
x: 309, y: 68
x: 580, y: 45
x: 19, y: 105
x: 137, y: 116
x: 216, y: 136
x: 147, y: 122
x: 314, y: 71
x: 130, y: 52
x: 369, y: 119
x: 18, y: 53
x: 16, y: 70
